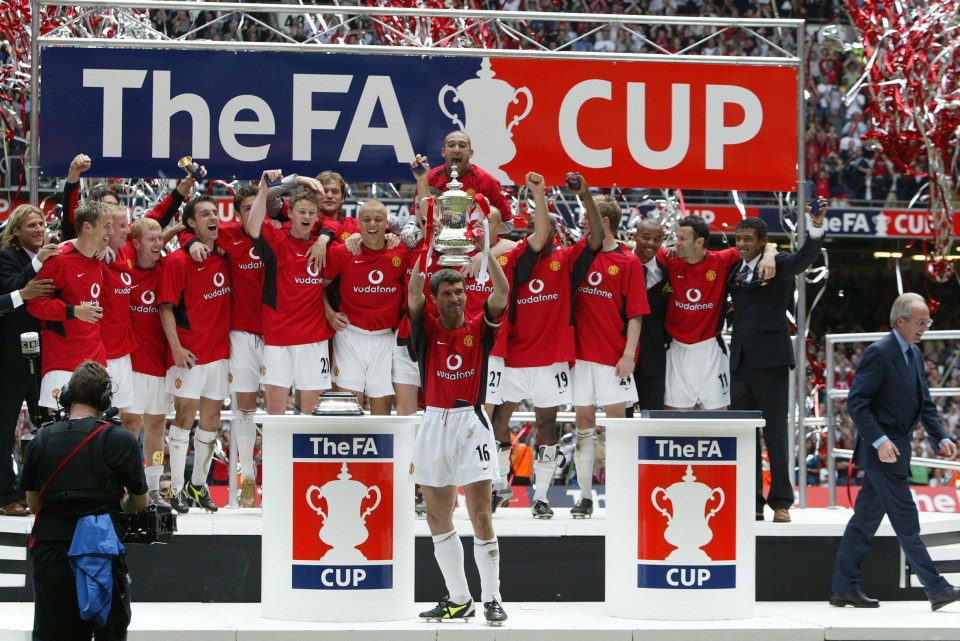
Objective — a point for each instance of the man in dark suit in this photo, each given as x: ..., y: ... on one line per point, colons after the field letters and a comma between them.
x: 650, y: 373
x: 761, y: 354
x: 22, y: 251
x: 888, y: 396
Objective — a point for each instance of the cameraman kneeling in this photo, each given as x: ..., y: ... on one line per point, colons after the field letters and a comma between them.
x: 71, y: 471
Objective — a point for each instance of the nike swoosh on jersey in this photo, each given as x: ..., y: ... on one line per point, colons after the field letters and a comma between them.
x: 237, y: 242
x: 81, y: 274
x: 300, y: 255
x: 200, y: 269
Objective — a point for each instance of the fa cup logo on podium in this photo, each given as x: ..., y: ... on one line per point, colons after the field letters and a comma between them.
x: 485, y: 101
x: 344, y: 526
x: 688, y: 528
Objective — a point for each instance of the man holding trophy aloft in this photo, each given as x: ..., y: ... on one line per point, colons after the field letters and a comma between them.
x: 455, y: 445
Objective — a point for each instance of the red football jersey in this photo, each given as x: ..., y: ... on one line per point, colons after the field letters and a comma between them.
x: 115, y: 326
x: 292, y: 291
x: 455, y: 360
x: 371, y: 284
x: 67, y: 341
x: 150, y: 356
x: 200, y: 295
x: 246, y: 278
x: 541, y: 320
x: 699, y: 291
x: 613, y: 292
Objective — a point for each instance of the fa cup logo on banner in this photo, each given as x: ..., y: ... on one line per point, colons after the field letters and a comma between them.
x: 344, y: 526
x: 485, y: 101
x: 688, y: 528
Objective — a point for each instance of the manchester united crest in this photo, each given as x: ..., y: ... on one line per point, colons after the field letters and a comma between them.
x: 711, y: 275
x: 395, y: 261
x: 613, y: 270
x: 555, y: 265
x: 178, y: 383
x: 503, y: 260
x: 468, y: 340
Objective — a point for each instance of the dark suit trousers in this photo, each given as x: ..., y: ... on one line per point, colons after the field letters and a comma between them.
x: 650, y: 391
x: 767, y: 390
x: 17, y: 385
x: 883, y: 493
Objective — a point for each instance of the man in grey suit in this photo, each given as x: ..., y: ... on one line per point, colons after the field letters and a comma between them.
x: 888, y: 396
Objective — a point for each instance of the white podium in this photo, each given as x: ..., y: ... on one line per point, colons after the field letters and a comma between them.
x: 680, y: 506
x: 338, y: 540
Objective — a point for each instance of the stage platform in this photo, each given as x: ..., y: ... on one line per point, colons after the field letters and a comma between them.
x: 215, y: 558
x: 805, y: 621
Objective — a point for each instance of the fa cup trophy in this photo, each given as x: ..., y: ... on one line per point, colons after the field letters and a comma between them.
x: 456, y: 238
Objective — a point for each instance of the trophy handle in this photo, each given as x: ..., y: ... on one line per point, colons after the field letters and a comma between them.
x: 718, y: 491
x: 366, y: 512
x: 443, y: 107
x: 313, y: 507
x: 516, y: 95
x: 653, y: 497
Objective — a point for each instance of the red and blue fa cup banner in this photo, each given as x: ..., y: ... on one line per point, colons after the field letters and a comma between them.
x: 687, y: 513
x: 343, y: 502
x: 632, y: 124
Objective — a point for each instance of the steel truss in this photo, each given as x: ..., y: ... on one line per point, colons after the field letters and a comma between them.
x: 463, y: 33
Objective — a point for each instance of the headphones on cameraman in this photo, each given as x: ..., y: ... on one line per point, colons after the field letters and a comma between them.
x: 65, y: 400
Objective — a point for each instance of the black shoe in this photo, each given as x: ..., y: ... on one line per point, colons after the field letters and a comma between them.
x: 180, y: 502
x: 493, y: 612
x: 200, y: 496
x: 154, y: 497
x: 946, y: 596
x: 447, y: 610
x: 541, y: 510
x: 501, y: 498
x: 857, y: 599
x: 583, y: 509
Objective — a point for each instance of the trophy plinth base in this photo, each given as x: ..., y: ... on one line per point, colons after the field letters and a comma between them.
x: 453, y: 260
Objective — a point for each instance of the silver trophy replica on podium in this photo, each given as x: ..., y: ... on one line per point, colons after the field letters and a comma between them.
x: 454, y: 239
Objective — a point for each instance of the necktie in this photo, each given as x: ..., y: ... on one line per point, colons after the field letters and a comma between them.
x: 646, y: 276
x: 743, y: 275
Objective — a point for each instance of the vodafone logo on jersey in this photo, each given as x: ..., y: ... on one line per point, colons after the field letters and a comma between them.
x: 147, y: 298
x: 95, y: 291
x: 375, y: 277
x: 218, y: 281
x: 694, y: 305
x: 453, y: 373
x: 536, y: 287
x: 594, y: 279
x: 253, y: 254
x: 125, y: 277
x: 313, y: 276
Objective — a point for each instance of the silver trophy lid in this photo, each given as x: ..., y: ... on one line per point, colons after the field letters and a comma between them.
x: 337, y: 404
